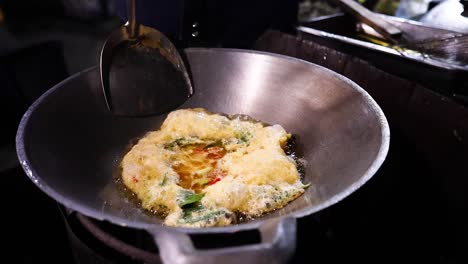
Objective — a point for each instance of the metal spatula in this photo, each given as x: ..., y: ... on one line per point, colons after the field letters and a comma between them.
x: 141, y: 71
x: 387, y: 30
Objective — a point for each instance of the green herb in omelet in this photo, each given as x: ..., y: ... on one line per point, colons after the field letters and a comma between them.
x: 217, y: 143
x: 243, y: 137
x: 164, y: 181
x: 187, y: 197
x: 203, y: 217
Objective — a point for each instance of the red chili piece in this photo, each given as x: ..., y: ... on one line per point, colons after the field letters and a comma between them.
x: 215, y: 180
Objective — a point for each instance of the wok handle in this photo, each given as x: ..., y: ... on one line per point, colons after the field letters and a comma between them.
x: 278, y: 243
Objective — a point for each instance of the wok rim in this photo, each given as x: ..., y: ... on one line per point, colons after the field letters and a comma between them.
x: 121, y: 221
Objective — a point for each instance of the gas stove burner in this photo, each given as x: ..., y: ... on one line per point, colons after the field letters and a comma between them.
x: 101, y: 242
x: 100, y: 232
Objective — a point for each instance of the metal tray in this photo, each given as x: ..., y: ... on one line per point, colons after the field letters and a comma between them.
x: 339, y: 32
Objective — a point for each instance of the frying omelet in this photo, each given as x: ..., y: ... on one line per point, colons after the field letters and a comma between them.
x: 203, y: 169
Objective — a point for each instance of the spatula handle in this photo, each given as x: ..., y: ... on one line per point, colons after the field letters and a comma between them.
x: 131, y: 14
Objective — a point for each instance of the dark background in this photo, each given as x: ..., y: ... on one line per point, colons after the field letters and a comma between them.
x: 412, y: 210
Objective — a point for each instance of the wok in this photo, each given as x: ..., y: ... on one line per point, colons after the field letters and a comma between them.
x: 69, y: 144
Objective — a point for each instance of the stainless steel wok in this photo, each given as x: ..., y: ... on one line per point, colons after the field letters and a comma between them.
x: 69, y: 144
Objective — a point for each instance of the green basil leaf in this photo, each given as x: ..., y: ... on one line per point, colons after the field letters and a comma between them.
x: 164, y: 181
x: 217, y: 143
x: 188, y: 210
x: 204, y: 217
x: 190, y: 198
